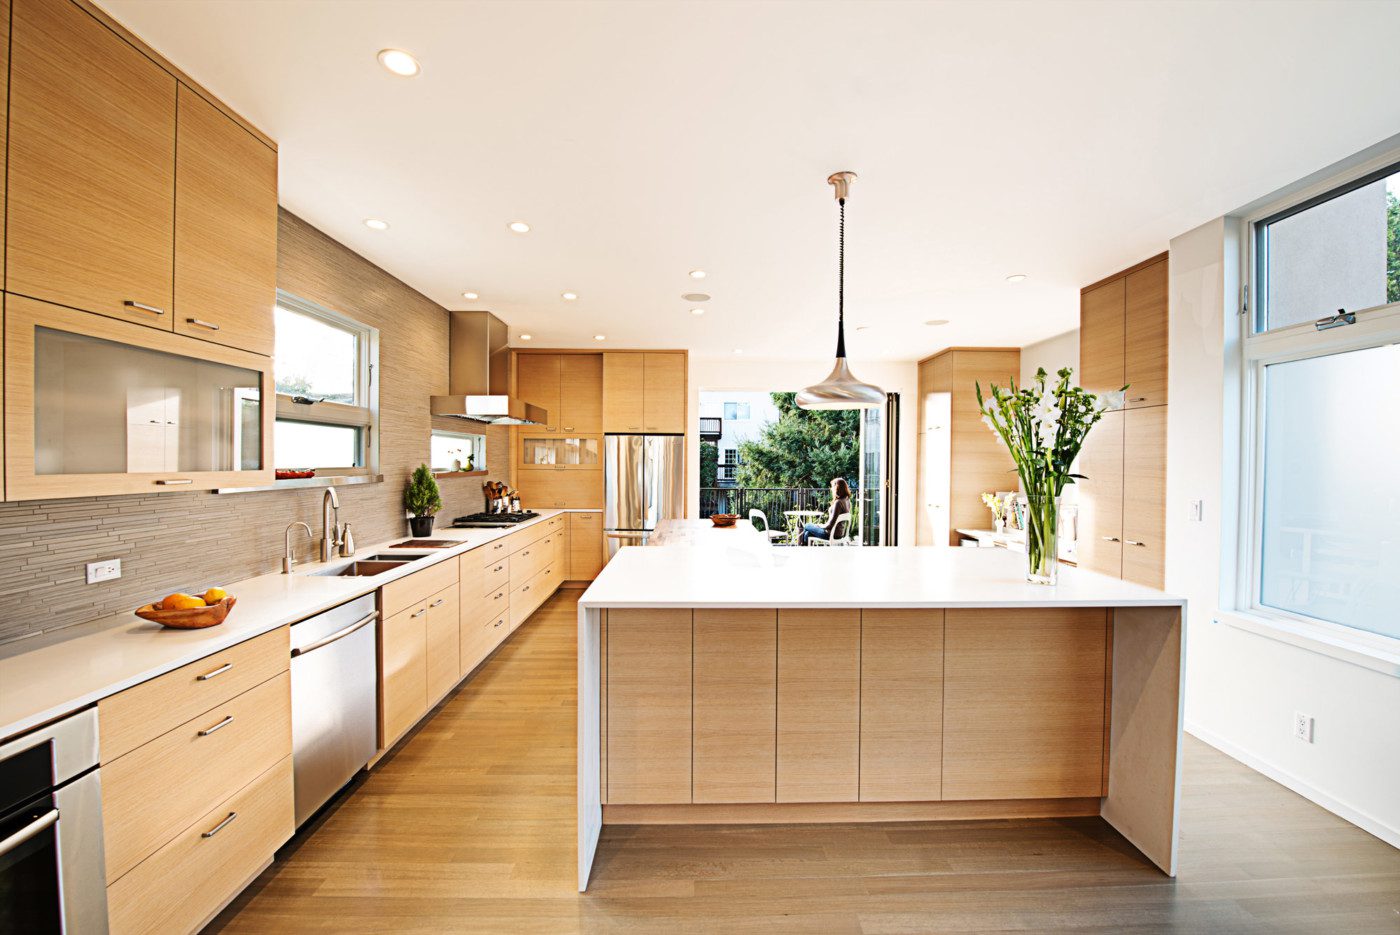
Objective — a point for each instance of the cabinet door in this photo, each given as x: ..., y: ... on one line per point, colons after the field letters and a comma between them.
x: 1144, y: 495
x: 736, y: 672
x: 1145, y: 341
x: 443, y: 643
x: 1100, y: 545
x: 537, y: 382
x: 581, y: 392
x: 649, y: 706
x: 585, y: 546
x: 1101, y: 328
x: 1023, y: 703
x: 225, y: 229
x: 818, y: 705
x: 901, y: 705
x: 403, y: 677
x: 91, y: 204
x: 664, y: 393
x: 622, y: 392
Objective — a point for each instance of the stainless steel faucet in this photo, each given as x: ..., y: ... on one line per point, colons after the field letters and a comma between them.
x: 288, y: 559
x: 330, y: 527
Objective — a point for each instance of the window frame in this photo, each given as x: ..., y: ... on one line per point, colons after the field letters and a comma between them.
x: 364, y: 417
x: 1376, y: 326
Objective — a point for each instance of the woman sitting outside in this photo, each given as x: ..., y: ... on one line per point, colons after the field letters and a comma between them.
x: 840, y: 506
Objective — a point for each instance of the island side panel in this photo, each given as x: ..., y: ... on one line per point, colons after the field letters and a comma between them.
x: 590, y: 801
x: 1144, y: 771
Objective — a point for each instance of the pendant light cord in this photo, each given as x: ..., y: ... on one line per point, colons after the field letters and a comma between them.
x: 841, y: 284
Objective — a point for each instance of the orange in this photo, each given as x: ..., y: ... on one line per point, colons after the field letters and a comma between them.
x: 180, y: 601
x: 214, y: 595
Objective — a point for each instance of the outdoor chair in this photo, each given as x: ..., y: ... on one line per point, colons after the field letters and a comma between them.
x: 760, y: 522
x: 841, y: 534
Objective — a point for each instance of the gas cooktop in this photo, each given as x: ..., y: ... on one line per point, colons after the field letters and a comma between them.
x: 494, y: 520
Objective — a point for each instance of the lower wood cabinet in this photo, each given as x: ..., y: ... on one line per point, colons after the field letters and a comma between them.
x: 442, y: 637
x: 185, y: 882
x: 1024, y: 703
x: 403, y: 673
x: 585, y: 546
x: 735, y: 705
x: 901, y: 705
x: 649, y: 706
x: 818, y: 706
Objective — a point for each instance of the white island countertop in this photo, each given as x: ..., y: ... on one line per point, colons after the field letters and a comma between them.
x: 701, y: 566
x: 59, y: 671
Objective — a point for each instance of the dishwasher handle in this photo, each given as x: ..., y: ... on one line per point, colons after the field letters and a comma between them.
x: 337, y: 635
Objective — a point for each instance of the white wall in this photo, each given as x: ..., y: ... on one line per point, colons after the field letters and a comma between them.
x: 746, y: 373
x: 1243, y: 688
x: 1053, y: 353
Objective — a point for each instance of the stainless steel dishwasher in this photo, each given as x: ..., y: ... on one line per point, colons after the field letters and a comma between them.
x: 335, y: 701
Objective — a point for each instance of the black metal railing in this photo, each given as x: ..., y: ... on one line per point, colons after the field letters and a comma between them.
x: 772, y: 501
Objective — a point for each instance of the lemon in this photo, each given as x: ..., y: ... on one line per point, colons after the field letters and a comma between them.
x: 214, y: 595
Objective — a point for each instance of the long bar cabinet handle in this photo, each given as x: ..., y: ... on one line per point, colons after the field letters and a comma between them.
x: 213, y: 672
x: 202, y: 323
x: 1133, y: 542
x: 174, y: 481
x: 143, y: 307
x: 228, y: 719
x: 220, y: 826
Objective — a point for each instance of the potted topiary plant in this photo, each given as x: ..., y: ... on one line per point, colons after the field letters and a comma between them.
x: 422, y: 498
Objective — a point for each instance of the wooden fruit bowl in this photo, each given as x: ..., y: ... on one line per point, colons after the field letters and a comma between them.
x: 193, y: 618
x: 724, y: 520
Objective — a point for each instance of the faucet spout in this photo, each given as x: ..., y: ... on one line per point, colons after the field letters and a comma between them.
x: 289, y: 559
x: 330, y: 525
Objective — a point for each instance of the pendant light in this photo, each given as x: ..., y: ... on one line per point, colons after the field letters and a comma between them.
x: 841, y: 389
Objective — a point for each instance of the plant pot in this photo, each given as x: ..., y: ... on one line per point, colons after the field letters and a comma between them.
x: 421, y: 525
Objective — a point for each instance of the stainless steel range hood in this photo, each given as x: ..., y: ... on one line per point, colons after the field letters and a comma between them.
x: 478, y: 367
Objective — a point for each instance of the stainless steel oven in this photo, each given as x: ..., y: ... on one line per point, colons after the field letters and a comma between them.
x: 52, y: 870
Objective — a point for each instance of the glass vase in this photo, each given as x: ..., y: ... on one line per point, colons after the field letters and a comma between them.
x: 1042, y: 538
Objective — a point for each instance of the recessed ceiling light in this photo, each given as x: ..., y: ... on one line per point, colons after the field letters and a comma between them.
x: 568, y: 296
x: 526, y: 337
x: 470, y: 295
x: 520, y: 227
x: 399, y: 62
x: 600, y: 337
x: 738, y: 350
x: 1016, y: 277
x: 695, y: 297
x: 935, y: 322
x: 697, y: 274
x: 375, y: 224
x: 697, y: 311
x: 862, y: 327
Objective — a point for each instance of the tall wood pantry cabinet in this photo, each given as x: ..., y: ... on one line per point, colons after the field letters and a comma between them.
x: 1122, y: 498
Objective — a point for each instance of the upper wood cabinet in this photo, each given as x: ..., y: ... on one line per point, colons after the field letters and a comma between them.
x: 1123, y: 334
x: 1100, y: 544
x: 225, y: 229
x: 91, y: 206
x: 1145, y: 496
x: 644, y: 391
x: 568, y: 386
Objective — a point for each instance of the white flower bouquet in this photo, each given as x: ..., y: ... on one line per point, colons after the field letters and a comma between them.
x: 1044, y: 428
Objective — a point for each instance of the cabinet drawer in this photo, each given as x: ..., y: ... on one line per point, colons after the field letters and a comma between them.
x: 493, y: 552
x: 480, y: 637
x: 494, y: 576
x: 400, y: 595
x: 481, y: 609
x: 180, y: 885
x: 152, y: 793
x: 527, y: 598
x: 530, y: 560
x: 144, y: 712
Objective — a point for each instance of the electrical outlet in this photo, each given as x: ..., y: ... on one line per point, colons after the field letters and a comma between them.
x: 1195, y: 511
x: 104, y: 571
x: 1302, y: 727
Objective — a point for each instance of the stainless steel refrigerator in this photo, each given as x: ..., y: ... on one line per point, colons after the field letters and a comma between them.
x: 643, y: 483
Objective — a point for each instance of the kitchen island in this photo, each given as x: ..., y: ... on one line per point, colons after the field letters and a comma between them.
x: 722, y: 680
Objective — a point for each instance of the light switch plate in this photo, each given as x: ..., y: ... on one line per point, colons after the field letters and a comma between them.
x: 104, y: 571
x: 1195, y: 511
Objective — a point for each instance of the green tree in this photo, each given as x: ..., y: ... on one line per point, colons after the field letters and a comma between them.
x: 802, y: 448
x: 709, y: 464
x: 1392, y: 247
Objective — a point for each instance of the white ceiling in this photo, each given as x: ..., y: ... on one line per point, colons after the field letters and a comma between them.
x: 644, y: 139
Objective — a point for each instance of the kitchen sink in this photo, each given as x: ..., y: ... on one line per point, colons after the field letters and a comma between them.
x: 397, y: 558
x: 365, y: 568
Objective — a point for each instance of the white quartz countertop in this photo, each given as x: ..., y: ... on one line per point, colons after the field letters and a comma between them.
x: 63, y: 670
x: 736, y: 568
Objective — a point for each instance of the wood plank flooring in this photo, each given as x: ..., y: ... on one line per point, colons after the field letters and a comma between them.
x: 469, y: 827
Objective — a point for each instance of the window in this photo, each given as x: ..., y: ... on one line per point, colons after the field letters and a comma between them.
x: 736, y: 411
x: 456, y: 451
x: 1320, y: 492
x: 729, y: 463
x: 1339, y: 250
x: 326, y: 393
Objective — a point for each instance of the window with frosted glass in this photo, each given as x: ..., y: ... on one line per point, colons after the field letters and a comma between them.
x: 1331, y: 498
x: 101, y: 407
x: 1338, y: 251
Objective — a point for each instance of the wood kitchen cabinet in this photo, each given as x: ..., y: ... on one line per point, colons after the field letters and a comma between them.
x: 735, y: 703
x: 537, y: 382
x: 1144, y: 496
x: 585, y: 546
x: 403, y: 673
x: 649, y: 715
x: 442, y: 641
x: 1100, y: 497
x: 1123, y: 334
x: 90, y: 212
x: 1023, y: 704
x: 901, y: 705
x: 818, y: 705
x: 225, y: 229
x: 568, y: 386
x: 644, y: 391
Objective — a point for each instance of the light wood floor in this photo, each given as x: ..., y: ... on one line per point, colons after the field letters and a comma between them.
x: 469, y: 827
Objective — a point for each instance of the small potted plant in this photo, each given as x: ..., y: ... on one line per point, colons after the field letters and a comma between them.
x: 423, y: 499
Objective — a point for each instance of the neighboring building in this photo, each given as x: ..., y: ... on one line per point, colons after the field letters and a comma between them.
x: 742, y: 417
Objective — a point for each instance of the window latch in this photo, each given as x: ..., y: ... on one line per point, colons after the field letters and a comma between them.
x: 1343, y: 317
